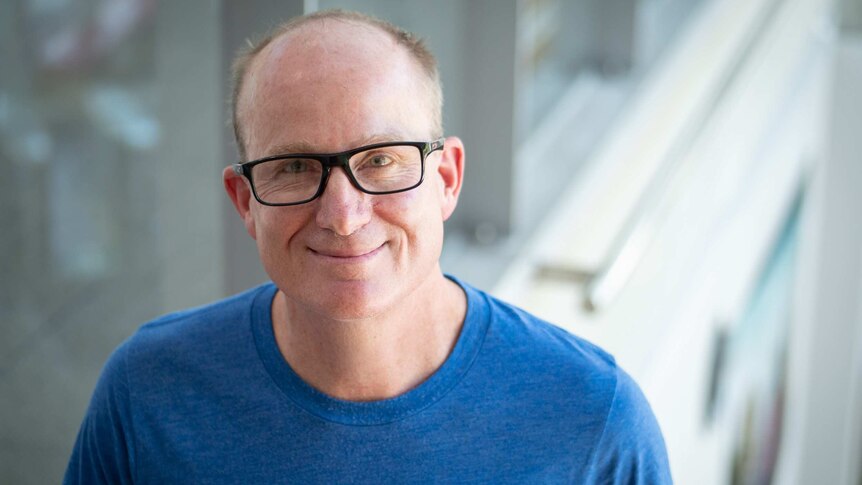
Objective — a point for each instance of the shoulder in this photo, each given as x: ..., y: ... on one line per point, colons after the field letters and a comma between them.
x: 203, y: 347
x: 531, y: 338
x: 181, y: 333
x: 139, y: 375
x: 202, y: 319
x: 566, y: 376
x: 199, y: 329
x: 594, y: 403
x: 631, y: 448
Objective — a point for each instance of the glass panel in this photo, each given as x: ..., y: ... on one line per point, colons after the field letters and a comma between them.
x: 78, y: 136
x: 560, y: 40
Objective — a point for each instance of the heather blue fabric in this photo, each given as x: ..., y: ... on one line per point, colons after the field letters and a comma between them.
x: 204, y: 396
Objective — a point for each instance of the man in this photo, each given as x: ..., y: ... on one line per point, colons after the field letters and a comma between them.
x: 361, y: 362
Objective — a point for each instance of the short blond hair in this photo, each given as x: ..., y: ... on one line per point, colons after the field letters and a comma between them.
x: 414, y: 45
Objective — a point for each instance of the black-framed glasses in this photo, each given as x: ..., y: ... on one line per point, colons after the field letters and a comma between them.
x: 297, y: 178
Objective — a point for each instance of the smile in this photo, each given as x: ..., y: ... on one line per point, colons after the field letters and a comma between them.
x: 346, y: 256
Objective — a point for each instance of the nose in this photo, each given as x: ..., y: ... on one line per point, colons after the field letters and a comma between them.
x: 342, y: 208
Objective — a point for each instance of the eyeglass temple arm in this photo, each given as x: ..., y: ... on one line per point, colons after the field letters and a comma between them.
x: 435, y: 145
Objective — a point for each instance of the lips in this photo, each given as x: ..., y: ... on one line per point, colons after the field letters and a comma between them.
x: 347, y: 254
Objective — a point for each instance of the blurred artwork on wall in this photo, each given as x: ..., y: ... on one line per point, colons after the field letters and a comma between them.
x: 752, y: 390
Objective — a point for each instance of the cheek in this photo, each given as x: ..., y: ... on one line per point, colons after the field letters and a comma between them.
x: 276, y: 228
x: 415, y: 217
x: 405, y: 211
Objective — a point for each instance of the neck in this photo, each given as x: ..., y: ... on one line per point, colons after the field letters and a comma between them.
x: 375, y: 358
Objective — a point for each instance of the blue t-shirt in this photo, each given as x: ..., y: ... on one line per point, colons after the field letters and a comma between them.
x: 204, y: 396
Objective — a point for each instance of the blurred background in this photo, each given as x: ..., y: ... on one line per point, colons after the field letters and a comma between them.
x: 679, y: 181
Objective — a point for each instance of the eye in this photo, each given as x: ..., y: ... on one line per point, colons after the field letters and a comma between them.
x: 380, y: 160
x: 296, y: 166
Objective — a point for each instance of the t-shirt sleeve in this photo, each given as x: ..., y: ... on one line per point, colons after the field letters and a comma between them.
x: 631, y: 449
x: 103, y: 449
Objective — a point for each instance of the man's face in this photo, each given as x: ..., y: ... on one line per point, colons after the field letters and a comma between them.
x: 347, y: 254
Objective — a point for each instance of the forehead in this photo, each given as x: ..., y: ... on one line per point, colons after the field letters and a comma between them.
x: 330, y: 82
x: 328, y: 43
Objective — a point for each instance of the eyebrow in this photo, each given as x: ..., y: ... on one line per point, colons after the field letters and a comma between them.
x: 305, y: 147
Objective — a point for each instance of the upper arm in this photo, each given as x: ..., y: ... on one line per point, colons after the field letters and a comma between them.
x: 103, y: 451
x: 631, y: 449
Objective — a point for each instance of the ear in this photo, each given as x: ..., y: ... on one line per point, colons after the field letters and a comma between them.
x: 451, y: 171
x: 239, y: 191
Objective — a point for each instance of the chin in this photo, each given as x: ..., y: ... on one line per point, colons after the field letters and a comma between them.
x: 356, y: 310
x: 351, y: 300
x: 350, y: 314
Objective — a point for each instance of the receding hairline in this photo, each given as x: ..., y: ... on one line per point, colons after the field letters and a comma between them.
x: 417, y: 52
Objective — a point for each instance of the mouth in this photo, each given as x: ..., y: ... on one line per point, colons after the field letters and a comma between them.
x: 347, y: 255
